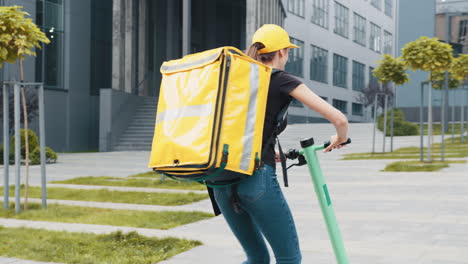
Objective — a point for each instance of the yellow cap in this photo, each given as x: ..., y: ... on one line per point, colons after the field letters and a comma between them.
x: 273, y: 37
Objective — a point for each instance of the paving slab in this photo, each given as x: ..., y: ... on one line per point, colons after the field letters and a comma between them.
x: 384, y: 217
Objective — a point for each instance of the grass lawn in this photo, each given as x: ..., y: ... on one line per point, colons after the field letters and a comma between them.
x: 115, y: 196
x: 412, y: 166
x: 452, y: 150
x: 149, y: 180
x: 83, y: 248
x: 102, y: 216
x: 437, y: 129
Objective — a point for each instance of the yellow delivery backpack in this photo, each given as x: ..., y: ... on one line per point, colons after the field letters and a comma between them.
x: 210, y: 116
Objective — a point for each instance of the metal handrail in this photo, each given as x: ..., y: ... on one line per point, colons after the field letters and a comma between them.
x: 148, y: 76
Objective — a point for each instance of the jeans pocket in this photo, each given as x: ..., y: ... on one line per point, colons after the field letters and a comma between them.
x: 254, y: 187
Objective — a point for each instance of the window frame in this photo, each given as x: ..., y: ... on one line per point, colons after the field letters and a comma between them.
x: 463, y: 32
x: 40, y: 59
x: 362, y: 29
x: 322, y: 64
x: 321, y: 8
x: 357, y: 113
x: 297, y: 8
x: 372, y: 78
x: 341, y: 20
x: 359, y: 78
x: 337, y: 103
x: 388, y: 8
x: 292, y: 56
x: 377, y: 4
x: 373, y: 44
x: 388, y: 42
x: 340, y: 71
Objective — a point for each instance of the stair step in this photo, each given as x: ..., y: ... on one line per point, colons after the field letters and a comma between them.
x: 140, y: 126
x: 140, y: 131
x: 131, y: 138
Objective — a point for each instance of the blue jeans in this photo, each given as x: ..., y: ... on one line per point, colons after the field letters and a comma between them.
x: 265, y: 212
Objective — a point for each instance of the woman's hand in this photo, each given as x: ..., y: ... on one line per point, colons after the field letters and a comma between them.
x: 335, y: 143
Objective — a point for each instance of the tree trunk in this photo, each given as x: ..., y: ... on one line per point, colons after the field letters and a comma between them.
x: 26, y: 137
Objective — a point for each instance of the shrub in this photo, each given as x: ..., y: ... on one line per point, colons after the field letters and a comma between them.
x: 35, y: 156
x: 33, y: 142
x: 401, y: 127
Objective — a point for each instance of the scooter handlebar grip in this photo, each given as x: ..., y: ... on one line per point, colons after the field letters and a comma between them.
x: 292, y: 154
x: 342, y: 144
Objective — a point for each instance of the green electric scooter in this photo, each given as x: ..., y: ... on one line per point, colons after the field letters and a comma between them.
x: 309, y: 156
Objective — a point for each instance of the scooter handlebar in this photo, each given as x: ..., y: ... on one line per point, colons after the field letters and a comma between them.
x: 326, y: 144
x: 293, y: 154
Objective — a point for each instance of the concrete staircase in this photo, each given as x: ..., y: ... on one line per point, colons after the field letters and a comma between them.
x: 139, y: 134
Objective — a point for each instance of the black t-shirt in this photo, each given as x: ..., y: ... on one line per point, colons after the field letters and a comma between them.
x: 281, y: 84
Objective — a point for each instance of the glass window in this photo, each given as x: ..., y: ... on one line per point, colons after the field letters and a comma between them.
x: 296, y: 59
x: 319, y: 65
x: 375, y: 38
x: 372, y: 78
x: 324, y: 98
x: 359, y: 29
x: 463, y: 33
x: 377, y: 4
x: 49, y: 60
x: 357, y: 109
x: 320, y: 13
x: 296, y: 7
x: 388, y: 42
x: 340, y: 70
x: 340, y: 105
x: 389, y: 7
x: 296, y: 103
x: 358, y: 76
x: 341, y: 20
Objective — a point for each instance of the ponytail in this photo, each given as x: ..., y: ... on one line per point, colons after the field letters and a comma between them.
x: 264, y: 58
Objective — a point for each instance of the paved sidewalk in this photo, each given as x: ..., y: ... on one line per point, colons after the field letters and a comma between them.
x: 384, y: 217
x: 20, y: 261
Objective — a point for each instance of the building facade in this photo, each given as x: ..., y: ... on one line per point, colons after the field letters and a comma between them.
x: 105, y: 55
x: 430, y: 21
x: 341, y: 42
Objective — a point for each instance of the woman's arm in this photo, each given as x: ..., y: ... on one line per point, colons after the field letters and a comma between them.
x: 303, y: 94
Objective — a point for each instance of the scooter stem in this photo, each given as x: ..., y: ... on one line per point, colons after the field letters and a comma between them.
x: 321, y: 190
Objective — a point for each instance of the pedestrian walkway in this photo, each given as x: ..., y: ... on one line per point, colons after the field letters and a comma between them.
x: 384, y: 217
x: 21, y: 261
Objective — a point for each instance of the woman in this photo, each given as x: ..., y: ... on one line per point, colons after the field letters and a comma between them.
x: 265, y: 212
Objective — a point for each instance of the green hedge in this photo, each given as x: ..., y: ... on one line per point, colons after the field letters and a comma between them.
x: 401, y: 126
x: 34, y: 150
x: 33, y: 142
x: 35, y: 156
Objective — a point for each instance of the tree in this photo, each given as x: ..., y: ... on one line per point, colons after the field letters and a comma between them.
x: 369, y: 93
x: 427, y: 54
x: 18, y: 38
x: 391, y: 69
x: 431, y: 55
x: 459, y: 67
x: 438, y: 79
